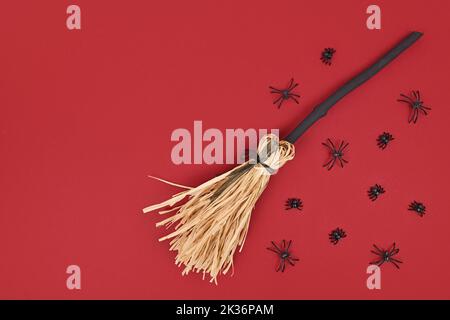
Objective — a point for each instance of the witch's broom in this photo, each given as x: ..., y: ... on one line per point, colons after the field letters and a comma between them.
x: 214, y: 218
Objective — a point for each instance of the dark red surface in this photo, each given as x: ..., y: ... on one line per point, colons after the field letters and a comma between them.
x: 86, y: 115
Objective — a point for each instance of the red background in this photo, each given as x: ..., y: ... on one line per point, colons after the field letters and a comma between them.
x: 86, y: 115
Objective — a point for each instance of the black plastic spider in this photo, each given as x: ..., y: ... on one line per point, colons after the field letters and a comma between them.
x: 294, y: 203
x: 327, y: 55
x: 416, y: 105
x: 336, y: 235
x: 384, y: 139
x: 284, y: 254
x: 417, y: 207
x: 285, y: 94
x: 335, y: 153
x: 386, y: 256
x: 375, y: 191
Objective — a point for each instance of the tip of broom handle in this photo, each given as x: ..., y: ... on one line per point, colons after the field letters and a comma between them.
x: 416, y: 34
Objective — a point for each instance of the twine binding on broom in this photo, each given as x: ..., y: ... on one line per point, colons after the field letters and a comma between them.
x: 214, y: 220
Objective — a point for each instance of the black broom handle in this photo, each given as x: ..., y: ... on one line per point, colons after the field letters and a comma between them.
x: 322, y: 109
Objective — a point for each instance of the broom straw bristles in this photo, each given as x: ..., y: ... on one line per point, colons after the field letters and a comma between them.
x: 214, y: 220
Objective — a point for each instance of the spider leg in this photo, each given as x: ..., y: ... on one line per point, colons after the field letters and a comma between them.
x: 291, y: 261
x: 395, y: 260
x: 394, y: 252
x: 328, y: 163
x: 294, y: 94
x: 340, y: 161
x: 395, y: 264
x: 328, y: 146
x: 293, y: 258
x: 279, y: 265
x: 416, y: 115
x: 278, y: 99
x: 412, y: 115
x: 427, y: 108
x: 423, y: 110
x: 291, y: 82
x: 379, y: 144
x: 291, y: 97
x: 273, y: 250
x: 331, y: 143
x: 344, y: 160
x: 332, y: 164
x: 278, y: 102
x: 289, y: 245
x: 345, y: 146
x: 417, y: 95
x: 275, y: 90
x: 409, y: 103
x: 409, y: 98
x: 292, y: 87
x: 377, y: 262
x: 279, y: 250
x: 283, y: 265
x: 392, y: 249
x: 380, y: 263
x: 378, y: 249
